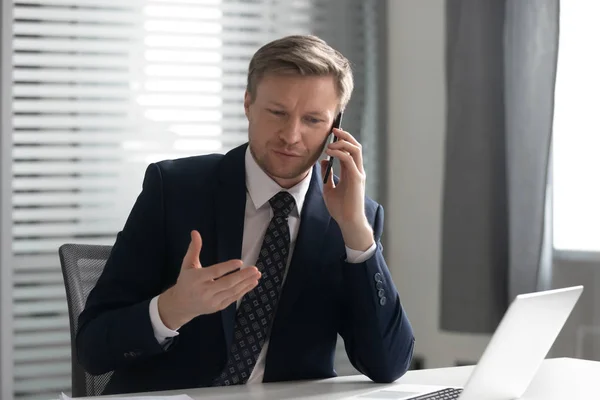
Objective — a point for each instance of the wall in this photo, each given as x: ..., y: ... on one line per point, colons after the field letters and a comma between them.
x: 416, y: 130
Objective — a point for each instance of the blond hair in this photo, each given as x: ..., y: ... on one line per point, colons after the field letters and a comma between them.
x: 305, y: 55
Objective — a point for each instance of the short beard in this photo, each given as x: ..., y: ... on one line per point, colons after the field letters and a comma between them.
x: 263, y: 164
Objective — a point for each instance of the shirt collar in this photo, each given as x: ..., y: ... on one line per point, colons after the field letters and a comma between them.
x: 262, y: 187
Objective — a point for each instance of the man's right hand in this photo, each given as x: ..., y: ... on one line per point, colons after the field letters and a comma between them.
x: 199, y: 291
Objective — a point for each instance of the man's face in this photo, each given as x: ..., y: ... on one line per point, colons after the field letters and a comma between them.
x: 288, y: 124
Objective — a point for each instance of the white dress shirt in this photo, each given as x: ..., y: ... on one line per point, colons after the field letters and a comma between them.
x: 259, y: 189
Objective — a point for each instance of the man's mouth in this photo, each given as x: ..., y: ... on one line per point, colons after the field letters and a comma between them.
x: 287, y: 153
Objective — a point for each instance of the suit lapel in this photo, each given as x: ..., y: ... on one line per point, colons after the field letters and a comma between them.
x: 229, y: 215
x: 314, y: 222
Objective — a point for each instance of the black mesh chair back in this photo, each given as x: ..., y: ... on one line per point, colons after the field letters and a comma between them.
x: 81, y: 266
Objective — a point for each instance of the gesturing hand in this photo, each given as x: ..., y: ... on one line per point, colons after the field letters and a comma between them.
x: 200, y: 291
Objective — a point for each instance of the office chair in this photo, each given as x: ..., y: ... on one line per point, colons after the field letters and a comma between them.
x: 81, y: 267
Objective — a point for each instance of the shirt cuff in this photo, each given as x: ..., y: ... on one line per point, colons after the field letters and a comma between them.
x: 357, y: 256
x: 161, y: 332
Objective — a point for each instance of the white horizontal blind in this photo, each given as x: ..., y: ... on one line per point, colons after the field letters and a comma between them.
x: 100, y: 89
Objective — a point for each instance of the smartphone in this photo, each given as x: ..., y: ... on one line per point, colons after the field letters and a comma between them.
x: 337, y: 123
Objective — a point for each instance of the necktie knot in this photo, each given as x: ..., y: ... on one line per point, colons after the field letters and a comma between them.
x: 282, y: 204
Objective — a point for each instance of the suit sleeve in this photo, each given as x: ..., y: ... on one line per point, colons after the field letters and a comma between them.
x: 115, y: 329
x: 377, y: 334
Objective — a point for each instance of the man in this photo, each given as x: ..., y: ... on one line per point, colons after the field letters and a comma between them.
x: 275, y: 263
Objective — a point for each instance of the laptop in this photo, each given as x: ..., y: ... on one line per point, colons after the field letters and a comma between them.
x: 512, y: 357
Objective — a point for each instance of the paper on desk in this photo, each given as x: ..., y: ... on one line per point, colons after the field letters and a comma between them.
x: 150, y: 397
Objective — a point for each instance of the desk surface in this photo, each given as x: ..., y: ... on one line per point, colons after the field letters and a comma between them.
x: 557, y: 379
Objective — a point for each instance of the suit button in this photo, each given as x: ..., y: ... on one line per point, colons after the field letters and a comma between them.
x: 378, y: 277
x: 382, y: 301
x: 381, y: 293
x: 379, y: 285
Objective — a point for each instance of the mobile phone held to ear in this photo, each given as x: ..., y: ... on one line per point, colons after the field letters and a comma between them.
x: 337, y: 123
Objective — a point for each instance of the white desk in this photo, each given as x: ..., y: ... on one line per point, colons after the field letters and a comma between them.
x: 557, y: 379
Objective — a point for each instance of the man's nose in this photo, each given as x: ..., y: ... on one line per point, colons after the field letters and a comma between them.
x: 291, y: 132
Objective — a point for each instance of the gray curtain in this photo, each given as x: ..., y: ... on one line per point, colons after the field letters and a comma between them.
x: 500, y: 66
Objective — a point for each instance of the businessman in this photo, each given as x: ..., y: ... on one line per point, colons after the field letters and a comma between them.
x: 243, y: 268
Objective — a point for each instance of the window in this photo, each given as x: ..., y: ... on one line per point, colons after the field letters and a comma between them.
x: 576, y: 147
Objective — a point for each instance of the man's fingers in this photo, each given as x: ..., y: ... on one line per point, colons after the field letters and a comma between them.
x: 354, y: 150
x: 224, y: 299
x: 346, y: 161
x: 343, y: 135
x: 192, y: 256
x: 219, y: 270
x: 232, y: 280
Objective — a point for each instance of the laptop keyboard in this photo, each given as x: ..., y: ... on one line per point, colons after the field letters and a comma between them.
x: 444, y: 394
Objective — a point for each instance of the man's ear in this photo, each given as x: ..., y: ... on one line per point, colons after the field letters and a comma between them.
x: 247, y: 102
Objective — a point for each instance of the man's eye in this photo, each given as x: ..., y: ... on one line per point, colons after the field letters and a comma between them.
x: 277, y: 112
x: 313, y: 120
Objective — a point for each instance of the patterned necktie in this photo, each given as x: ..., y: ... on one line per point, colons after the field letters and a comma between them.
x: 256, y: 310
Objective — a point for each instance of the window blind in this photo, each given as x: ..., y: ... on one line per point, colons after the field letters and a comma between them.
x: 101, y: 88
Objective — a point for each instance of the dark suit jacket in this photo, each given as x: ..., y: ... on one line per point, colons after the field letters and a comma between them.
x: 323, y: 294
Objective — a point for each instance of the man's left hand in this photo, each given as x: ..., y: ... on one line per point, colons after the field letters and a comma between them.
x: 346, y: 199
